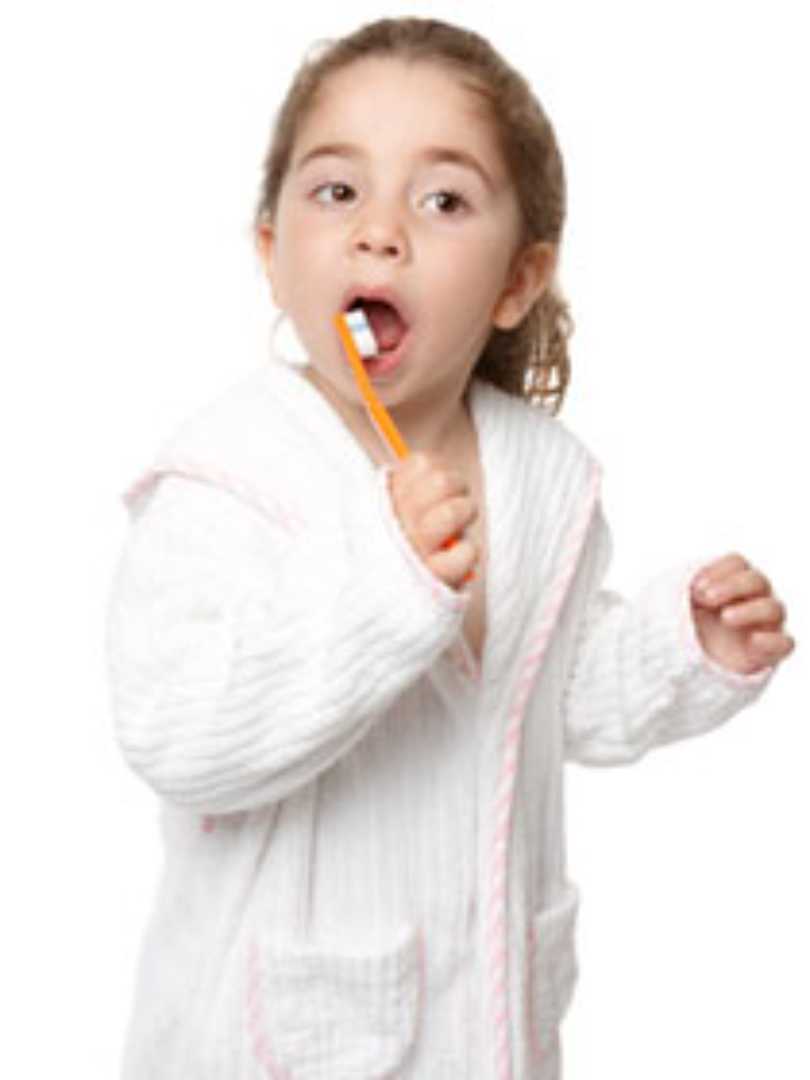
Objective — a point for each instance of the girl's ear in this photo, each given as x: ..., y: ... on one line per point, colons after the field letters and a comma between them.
x: 265, y: 242
x: 532, y: 269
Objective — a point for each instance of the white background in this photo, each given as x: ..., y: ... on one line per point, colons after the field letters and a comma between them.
x: 132, y: 139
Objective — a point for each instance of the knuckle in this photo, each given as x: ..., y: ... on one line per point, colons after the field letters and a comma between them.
x: 441, y: 520
x: 470, y: 512
x: 457, y: 514
x: 441, y: 484
x: 443, y: 517
x: 466, y: 549
x: 462, y: 507
x: 464, y: 553
x: 748, y: 580
x: 458, y: 482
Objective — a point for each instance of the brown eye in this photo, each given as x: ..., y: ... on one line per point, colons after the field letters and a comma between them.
x: 449, y: 202
x: 337, y: 188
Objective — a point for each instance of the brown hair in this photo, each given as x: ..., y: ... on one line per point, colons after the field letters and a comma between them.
x: 530, y: 360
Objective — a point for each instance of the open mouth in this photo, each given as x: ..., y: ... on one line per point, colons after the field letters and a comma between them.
x: 386, y: 322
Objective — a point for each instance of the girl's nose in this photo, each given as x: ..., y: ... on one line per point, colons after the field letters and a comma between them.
x: 380, y: 235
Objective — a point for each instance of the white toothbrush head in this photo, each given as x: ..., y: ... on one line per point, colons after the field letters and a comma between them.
x: 362, y: 334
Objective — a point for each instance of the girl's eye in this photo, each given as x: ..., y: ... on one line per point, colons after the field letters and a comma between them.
x: 336, y: 187
x: 450, y: 202
x: 449, y: 199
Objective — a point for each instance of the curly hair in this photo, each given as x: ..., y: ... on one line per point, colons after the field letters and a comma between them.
x: 530, y: 360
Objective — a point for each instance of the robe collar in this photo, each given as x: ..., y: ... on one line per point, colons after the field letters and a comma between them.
x: 536, y: 479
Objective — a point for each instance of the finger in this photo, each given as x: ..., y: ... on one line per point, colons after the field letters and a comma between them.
x: 739, y: 585
x: 440, y: 485
x: 772, y: 644
x: 453, y: 564
x: 765, y: 612
x: 720, y: 568
x: 446, y: 520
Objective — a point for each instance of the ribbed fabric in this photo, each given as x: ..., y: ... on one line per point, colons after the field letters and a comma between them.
x: 363, y: 826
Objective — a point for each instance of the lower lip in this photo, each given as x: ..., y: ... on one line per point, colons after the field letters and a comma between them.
x: 386, y: 362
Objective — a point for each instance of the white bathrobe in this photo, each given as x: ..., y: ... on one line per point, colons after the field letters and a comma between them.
x: 365, y: 869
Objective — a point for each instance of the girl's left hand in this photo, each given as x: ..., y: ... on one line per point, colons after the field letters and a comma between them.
x: 738, y: 620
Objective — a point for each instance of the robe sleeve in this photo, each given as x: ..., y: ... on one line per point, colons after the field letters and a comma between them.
x: 244, y: 660
x: 639, y: 677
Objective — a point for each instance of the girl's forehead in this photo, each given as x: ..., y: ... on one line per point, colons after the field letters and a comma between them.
x: 373, y: 84
x: 376, y: 96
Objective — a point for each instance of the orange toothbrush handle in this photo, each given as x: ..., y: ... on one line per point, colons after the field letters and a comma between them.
x: 378, y: 412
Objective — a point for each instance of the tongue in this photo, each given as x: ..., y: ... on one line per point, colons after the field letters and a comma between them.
x: 388, y: 328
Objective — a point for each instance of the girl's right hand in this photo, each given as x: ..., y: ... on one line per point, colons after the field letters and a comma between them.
x: 433, y: 505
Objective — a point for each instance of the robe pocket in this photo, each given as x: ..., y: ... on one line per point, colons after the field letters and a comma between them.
x: 553, y: 969
x: 337, y: 1013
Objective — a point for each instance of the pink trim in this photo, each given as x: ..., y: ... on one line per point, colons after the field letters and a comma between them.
x: 273, y: 509
x: 208, y: 823
x: 497, y: 911
x: 257, y: 1022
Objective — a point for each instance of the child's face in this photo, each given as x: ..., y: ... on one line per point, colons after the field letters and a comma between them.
x: 375, y: 215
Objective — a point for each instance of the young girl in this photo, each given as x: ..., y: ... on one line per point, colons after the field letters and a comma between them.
x: 358, y: 744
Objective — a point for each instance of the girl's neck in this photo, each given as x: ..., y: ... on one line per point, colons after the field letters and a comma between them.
x: 442, y: 426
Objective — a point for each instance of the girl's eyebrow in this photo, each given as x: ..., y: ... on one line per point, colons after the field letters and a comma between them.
x: 431, y: 154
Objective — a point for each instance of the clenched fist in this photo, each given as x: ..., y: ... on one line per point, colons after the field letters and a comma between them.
x: 739, y: 622
x: 434, y: 506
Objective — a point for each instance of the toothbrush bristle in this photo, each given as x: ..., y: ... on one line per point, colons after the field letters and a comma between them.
x: 362, y: 334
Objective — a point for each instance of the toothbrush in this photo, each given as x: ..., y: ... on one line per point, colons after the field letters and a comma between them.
x: 358, y: 340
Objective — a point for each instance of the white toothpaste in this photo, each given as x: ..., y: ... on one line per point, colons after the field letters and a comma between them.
x: 361, y: 332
